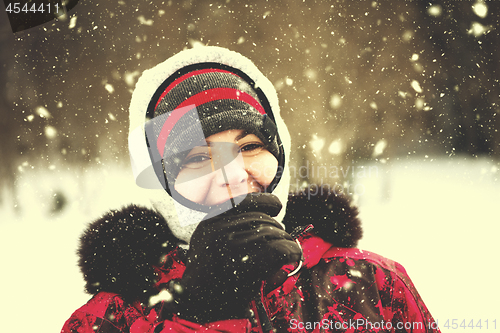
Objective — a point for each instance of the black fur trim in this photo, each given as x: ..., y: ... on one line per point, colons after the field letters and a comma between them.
x: 334, y: 219
x: 118, y: 250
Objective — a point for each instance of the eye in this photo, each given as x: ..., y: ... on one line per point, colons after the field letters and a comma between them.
x: 251, y: 148
x: 196, y: 161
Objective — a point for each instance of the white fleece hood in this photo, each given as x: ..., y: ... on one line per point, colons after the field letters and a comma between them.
x: 181, y: 219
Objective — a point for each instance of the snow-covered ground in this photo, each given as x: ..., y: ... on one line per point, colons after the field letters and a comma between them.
x: 439, y: 218
x: 41, y: 284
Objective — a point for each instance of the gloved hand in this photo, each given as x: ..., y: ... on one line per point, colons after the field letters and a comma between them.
x: 230, y: 255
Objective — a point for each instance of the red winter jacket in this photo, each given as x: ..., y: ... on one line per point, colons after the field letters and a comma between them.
x: 338, y: 289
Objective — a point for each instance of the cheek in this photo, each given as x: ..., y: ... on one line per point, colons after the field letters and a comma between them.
x: 192, y: 187
x: 263, y: 169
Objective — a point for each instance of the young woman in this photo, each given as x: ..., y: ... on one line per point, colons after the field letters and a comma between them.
x: 207, y: 139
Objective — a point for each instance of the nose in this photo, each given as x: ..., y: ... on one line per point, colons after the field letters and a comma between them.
x: 233, y: 173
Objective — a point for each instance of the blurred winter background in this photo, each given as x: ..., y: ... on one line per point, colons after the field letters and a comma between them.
x: 397, y: 102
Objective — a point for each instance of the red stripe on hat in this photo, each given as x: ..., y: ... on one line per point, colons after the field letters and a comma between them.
x: 172, y: 119
x: 187, y: 76
x: 223, y: 93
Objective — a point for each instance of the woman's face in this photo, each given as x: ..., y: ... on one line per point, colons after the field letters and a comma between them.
x: 233, y: 163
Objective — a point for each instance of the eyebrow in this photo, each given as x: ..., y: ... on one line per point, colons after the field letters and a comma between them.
x: 241, y: 136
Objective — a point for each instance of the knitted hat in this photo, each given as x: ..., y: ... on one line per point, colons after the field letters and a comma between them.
x: 163, y: 110
x: 198, y: 101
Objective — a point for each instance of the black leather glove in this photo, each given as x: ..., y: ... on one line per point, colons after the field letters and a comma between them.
x: 230, y: 255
